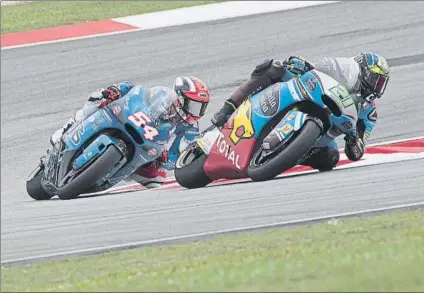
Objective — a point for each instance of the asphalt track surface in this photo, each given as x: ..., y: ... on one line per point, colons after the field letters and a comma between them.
x: 41, y: 86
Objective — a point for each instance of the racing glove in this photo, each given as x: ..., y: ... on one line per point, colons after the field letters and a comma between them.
x: 298, y: 65
x: 110, y: 93
x: 354, y: 147
x: 223, y: 114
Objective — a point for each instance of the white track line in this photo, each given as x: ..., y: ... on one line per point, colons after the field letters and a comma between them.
x: 394, y: 141
x: 205, y: 234
x: 212, y: 12
x: 191, y: 15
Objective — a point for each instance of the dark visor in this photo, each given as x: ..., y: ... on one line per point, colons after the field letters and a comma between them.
x: 377, y: 83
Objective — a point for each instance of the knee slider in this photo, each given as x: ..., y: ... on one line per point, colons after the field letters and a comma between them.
x: 277, y: 70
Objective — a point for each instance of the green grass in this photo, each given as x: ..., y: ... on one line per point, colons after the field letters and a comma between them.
x: 42, y: 14
x: 382, y: 253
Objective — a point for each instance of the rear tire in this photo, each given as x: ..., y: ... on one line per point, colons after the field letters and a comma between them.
x: 86, y: 180
x: 34, y: 188
x: 288, y: 157
x: 191, y: 175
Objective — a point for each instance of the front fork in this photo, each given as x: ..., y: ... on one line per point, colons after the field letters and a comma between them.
x: 291, y: 122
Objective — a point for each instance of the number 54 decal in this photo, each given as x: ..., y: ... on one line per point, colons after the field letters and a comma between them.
x: 140, y: 119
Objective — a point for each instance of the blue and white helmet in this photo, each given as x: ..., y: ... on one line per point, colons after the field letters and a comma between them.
x: 375, y: 75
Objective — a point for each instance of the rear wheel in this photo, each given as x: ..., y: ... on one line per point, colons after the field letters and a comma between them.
x: 262, y: 168
x: 189, y: 171
x: 86, y: 180
x: 34, y: 188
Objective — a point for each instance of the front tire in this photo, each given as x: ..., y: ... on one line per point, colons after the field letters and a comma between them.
x: 91, y: 175
x: 288, y: 157
x: 34, y: 188
x: 189, y: 171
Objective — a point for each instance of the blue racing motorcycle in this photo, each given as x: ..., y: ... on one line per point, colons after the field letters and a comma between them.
x: 106, y: 147
x: 272, y: 131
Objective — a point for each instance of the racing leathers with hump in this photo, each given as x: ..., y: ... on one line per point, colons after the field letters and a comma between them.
x: 190, y: 101
x: 365, y: 76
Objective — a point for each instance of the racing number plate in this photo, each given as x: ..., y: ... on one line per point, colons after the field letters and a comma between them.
x: 206, y: 142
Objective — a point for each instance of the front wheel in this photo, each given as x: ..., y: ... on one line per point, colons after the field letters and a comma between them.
x: 85, y: 181
x: 288, y: 157
x: 34, y: 188
x: 189, y: 171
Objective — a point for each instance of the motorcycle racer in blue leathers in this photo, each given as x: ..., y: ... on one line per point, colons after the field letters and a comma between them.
x: 365, y: 76
x: 190, y: 104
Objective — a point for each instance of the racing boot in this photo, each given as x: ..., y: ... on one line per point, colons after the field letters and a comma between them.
x: 265, y: 74
x: 223, y: 114
x: 150, y: 176
x: 322, y: 159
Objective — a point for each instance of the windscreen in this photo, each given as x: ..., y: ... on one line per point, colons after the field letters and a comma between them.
x: 159, y: 100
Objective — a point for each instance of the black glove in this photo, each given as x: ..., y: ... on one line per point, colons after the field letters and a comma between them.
x: 354, y: 147
x: 111, y: 93
x: 297, y: 65
x: 223, y: 114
